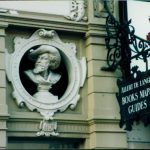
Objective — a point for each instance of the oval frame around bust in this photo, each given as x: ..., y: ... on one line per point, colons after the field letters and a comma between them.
x: 76, y: 72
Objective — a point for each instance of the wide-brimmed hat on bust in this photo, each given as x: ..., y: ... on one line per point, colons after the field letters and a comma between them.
x: 33, y: 54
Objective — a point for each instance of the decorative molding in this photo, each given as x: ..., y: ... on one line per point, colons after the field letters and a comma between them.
x: 47, y: 34
x: 99, y: 10
x: 73, y: 10
x: 3, y: 10
x: 73, y: 128
x: 9, y: 11
x: 76, y: 70
x: 3, y: 125
x: 98, y: 7
x: 111, y: 5
x: 77, y: 11
x: 47, y: 128
x: 61, y: 126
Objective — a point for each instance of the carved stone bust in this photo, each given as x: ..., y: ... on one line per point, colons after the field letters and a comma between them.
x: 46, y: 58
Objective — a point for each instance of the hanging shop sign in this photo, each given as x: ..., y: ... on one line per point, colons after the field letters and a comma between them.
x: 134, y: 98
x: 124, y: 48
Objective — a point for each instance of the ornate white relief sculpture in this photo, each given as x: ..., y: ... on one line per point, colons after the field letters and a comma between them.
x: 77, y: 10
x: 98, y: 7
x: 47, y: 58
x: 99, y: 10
x: 45, y: 45
x: 47, y: 128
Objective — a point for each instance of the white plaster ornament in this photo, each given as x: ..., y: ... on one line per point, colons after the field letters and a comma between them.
x: 47, y: 58
x: 49, y: 42
x: 77, y: 11
x: 47, y: 128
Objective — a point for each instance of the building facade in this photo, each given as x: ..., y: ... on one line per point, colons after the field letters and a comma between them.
x: 86, y: 114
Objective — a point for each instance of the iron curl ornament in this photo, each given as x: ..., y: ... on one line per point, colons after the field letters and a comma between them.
x: 123, y: 45
x: 123, y: 48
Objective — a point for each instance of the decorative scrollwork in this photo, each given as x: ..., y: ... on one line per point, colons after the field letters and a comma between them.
x: 122, y: 43
x: 44, y: 33
x: 140, y: 48
x: 112, y: 44
x: 47, y: 128
x: 77, y: 11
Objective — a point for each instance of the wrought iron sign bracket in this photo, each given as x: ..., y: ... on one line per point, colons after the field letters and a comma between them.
x: 121, y: 41
x: 123, y: 47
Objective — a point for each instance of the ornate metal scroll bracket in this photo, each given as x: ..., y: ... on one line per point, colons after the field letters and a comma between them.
x: 122, y: 44
x: 124, y: 47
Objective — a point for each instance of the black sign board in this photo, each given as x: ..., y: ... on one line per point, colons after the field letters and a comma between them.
x: 134, y: 99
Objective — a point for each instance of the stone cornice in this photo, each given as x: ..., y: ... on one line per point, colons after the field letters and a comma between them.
x: 97, y: 121
x: 31, y: 116
x: 4, y: 116
x: 53, y: 22
x: 66, y: 128
x: 3, y: 25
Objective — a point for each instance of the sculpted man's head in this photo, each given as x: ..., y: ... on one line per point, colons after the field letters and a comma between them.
x: 45, y: 57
